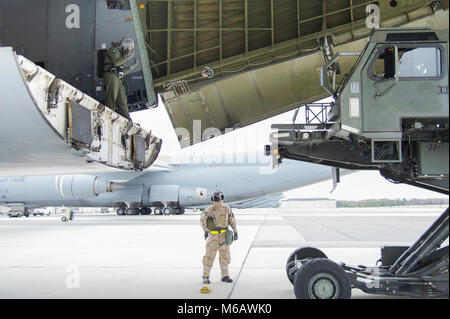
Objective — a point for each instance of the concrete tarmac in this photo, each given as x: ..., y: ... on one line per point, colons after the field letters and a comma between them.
x: 110, y: 256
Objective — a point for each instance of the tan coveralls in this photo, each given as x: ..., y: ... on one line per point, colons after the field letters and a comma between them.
x: 223, y: 217
x: 116, y: 97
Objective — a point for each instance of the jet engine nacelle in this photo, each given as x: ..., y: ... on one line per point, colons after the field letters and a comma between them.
x: 181, y: 195
x: 80, y: 186
x: 189, y: 196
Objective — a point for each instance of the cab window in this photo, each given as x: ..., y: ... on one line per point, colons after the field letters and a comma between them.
x: 383, y: 66
x: 419, y: 62
x: 413, y: 62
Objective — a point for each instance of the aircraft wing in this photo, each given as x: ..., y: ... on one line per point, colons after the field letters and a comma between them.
x: 268, y: 201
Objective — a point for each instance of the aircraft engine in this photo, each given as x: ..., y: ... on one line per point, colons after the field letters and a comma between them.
x: 189, y: 196
x: 79, y: 186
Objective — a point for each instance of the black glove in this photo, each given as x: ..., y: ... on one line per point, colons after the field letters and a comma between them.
x: 206, y: 234
x: 235, y: 237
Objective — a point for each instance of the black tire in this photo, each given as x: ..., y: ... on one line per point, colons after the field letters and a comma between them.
x: 301, y: 253
x: 177, y: 211
x: 132, y: 211
x: 157, y: 211
x: 120, y: 211
x: 182, y: 210
x: 322, y: 279
x: 63, y: 219
x: 167, y: 210
x: 146, y: 211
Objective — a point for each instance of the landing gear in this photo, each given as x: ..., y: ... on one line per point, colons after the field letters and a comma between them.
x: 420, y: 270
x: 147, y: 210
x: 133, y: 211
x: 168, y: 211
x: 178, y: 210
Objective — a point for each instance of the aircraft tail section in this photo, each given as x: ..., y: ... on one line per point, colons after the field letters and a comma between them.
x: 50, y: 126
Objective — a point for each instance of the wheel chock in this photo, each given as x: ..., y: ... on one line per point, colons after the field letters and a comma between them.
x: 205, y: 289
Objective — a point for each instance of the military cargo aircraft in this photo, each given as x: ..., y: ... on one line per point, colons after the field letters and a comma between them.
x: 164, y: 189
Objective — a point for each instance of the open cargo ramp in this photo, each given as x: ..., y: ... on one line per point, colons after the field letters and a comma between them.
x: 230, y: 63
x: 49, y: 127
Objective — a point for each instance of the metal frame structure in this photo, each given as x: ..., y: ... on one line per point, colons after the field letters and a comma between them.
x: 228, y: 35
x: 421, y: 271
x: 218, y: 63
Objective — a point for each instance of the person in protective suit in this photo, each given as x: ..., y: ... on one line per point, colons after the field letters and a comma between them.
x: 223, y: 217
x: 114, y: 70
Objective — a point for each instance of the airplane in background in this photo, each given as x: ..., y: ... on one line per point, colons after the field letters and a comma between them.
x: 167, y: 189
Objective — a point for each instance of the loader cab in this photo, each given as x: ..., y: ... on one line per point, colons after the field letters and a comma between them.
x: 405, y: 75
x: 399, y: 83
x: 403, y: 71
x: 390, y: 111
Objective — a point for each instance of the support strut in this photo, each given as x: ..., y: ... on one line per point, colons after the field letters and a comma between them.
x: 431, y: 239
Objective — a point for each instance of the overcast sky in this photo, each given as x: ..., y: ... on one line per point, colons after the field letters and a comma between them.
x: 356, y: 186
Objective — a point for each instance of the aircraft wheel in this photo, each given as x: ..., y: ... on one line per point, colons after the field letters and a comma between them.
x: 299, y: 254
x: 157, y: 211
x: 63, y: 219
x: 322, y: 279
x: 120, y: 211
x: 167, y: 210
x: 177, y: 211
x: 146, y: 211
x: 132, y: 211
